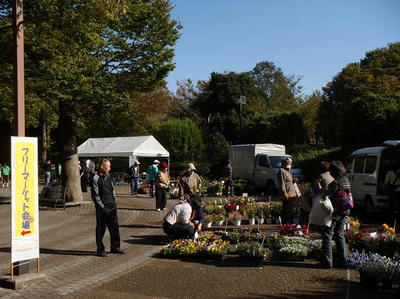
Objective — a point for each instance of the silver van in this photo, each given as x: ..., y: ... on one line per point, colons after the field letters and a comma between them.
x: 367, y: 169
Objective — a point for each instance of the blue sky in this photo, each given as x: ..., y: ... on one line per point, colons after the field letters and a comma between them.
x: 314, y: 39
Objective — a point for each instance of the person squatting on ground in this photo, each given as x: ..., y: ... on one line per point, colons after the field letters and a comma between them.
x: 152, y: 173
x: 5, y: 170
x: 190, y: 183
x: 177, y: 223
x: 134, y: 173
x: 340, y: 183
x: 162, y: 182
x: 227, y: 174
x: 392, y: 181
x: 287, y: 190
x: 103, y: 196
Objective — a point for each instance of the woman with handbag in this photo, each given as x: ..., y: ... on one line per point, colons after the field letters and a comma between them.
x: 287, y: 190
x: 336, y: 189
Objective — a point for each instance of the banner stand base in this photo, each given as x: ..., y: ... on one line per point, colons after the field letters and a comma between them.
x: 22, y: 281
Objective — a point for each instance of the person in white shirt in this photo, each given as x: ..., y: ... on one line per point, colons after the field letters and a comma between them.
x: 177, y: 223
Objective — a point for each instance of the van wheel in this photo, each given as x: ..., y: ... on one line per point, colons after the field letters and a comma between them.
x: 368, y: 208
x: 270, y: 188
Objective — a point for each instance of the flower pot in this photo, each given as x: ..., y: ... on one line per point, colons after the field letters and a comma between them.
x: 269, y: 220
x: 220, y: 223
x: 369, y: 280
x: 296, y: 220
x: 208, y: 224
x: 237, y: 222
x: 260, y: 220
x: 252, y: 221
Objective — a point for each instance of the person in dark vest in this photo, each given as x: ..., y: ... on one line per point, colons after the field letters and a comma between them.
x: 133, y: 173
x: 103, y: 196
x: 227, y: 175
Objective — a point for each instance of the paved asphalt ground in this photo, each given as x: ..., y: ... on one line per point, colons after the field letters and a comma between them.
x: 67, y: 246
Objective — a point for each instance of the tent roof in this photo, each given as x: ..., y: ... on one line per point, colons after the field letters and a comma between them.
x: 143, y: 146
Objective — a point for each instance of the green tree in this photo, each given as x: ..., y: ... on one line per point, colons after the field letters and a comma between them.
x: 183, y: 140
x: 276, y: 127
x: 282, y: 92
x: 378, y: 73
x: 82, y: 56
x: 372, y: 119
x: 309, y: 112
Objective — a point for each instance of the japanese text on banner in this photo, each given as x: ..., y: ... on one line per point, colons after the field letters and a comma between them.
x: 24, y: 189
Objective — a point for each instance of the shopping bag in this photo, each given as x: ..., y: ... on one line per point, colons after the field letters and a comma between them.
x: 321, y: 211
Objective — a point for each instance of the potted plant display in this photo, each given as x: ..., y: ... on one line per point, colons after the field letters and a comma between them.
x: 236, y: 218
x: 219, y: 219
x: 251, y: 250
x: 260, y: 215
x: 208, y: 220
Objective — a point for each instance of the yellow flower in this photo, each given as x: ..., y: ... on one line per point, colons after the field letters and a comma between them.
x: 385, y: 226
x: 391, y: 229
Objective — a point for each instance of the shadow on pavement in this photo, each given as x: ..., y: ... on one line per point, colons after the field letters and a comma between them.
x: 159, y: 240
x: 140, y: 226
x: 66, y: 252
x: 137, y: 209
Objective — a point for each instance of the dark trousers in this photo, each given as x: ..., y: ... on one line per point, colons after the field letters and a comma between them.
x: 178, y: 231
x: 151, y: 188
x: 287, y: 213
x: 107, y: 217
x: 134, y: 184
x: 228, y: 187
x: 161, y: 197
x: 84, y: 184
x: 336, y: 229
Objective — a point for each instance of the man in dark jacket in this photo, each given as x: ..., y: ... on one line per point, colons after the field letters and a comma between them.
x: 134, y: 172
x: 103, y: 197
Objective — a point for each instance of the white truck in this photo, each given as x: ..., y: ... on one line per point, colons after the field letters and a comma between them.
x: 259, y: 164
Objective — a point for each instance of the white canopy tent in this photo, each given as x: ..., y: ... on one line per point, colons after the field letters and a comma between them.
x: 138, y: 146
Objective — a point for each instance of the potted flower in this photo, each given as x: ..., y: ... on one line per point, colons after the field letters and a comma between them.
x: 208, y: 219
x: 293, y: 252
x: 251, y: 250
x: 251, y: 213
x: 237, y: 218
x: 260, y: 215
x: 219, y: 219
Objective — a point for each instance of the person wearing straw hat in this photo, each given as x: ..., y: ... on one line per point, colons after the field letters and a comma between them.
x: 190, y: 183
x: 162, y: 183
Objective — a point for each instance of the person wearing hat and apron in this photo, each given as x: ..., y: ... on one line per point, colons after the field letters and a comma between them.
x: 190, y: 183
x: 152, y: 174
x: 162, y: 183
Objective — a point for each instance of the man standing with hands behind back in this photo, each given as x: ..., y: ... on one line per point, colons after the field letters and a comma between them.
x: 103, y: 197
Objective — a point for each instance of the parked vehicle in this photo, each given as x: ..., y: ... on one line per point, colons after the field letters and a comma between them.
x: 259, y: 164
x: 367, y: 170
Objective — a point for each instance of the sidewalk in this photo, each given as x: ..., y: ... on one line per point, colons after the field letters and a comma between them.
x: 68, y: 248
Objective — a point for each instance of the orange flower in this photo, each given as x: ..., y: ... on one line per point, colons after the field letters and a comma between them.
x: 385, y: 226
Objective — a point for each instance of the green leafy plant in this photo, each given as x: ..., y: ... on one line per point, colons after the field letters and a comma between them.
x: 251, y: 250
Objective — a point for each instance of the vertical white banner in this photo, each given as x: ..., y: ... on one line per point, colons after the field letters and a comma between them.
x: 24, y: 199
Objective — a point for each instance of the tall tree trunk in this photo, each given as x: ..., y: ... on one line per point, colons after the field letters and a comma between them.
x: 69, y: 154
x: 45, y: 141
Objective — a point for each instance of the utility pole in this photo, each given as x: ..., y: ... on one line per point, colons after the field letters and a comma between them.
x: 19, y: 91
x: 19, y: 80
